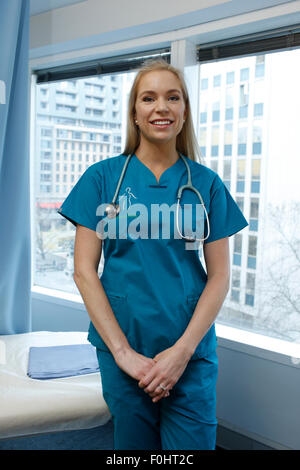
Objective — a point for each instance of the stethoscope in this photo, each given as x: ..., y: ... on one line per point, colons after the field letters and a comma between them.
x: 113, y: 209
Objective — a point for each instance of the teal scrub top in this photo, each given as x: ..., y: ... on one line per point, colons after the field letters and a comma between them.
x: 152, y: 283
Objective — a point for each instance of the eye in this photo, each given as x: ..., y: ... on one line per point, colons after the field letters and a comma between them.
x: 174, y: 98
x: 147, y: 99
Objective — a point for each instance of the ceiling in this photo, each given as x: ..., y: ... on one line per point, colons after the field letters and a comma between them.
x: 41, y: 6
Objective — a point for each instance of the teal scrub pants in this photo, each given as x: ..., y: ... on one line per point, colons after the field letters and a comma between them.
x: 185, y: 420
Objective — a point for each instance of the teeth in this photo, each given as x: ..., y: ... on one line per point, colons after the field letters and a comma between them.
x: 161, y: 122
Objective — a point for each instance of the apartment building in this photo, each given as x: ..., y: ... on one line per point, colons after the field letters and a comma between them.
x: 231, y: 137
x: 78, y: 122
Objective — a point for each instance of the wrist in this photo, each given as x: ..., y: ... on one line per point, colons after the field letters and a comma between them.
x: 186, y: 351
x: 121, y: 351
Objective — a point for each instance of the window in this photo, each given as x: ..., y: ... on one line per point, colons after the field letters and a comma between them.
x: 255, y: 176
x: 203, y: 111
x: 240, y: 203
x: 254, y: 209
x: 217, y: 80
x: 229, y: 78
x: 237, y: 249
x: 227, y: 173
x: 259, y: 98
x: 229, y: 103
x: 77, y: 145
x: 228, y: 139
x: 204, y: 83
x: 255, y: 145
x: 244, y: 100
x: 216, y: 111
x: 260, y: 66
x: 241, y: 173
x: 215, y: 141
x: 235, y: 285
x: 250, y: 289
x: 46, y: 132
x: 242, y: 140
x: 244, y: 74
x: 252, y: 247
x: 257, y: 140
x: 202, y: 140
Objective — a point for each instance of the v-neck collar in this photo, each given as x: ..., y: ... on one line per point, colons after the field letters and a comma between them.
x: 169, y: 169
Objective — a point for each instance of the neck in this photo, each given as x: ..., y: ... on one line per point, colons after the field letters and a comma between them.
x: 150, y: 152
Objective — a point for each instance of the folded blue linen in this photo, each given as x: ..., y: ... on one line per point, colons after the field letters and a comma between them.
x: 51, y: 362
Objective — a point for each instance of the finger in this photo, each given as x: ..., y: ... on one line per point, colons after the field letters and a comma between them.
x: 159, y: 397
x: 158, y: 391
x: 146, y: 380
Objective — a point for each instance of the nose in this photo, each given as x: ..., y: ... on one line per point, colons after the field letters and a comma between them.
x: 162, y: 105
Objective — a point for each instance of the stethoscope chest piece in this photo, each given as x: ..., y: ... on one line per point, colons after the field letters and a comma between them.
x: 112, y: 210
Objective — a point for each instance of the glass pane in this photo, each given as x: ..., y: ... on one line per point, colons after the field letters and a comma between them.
x: 202, y: 137
x: 229, y: 78
x: 252, y: 246
x: 236, y: 278
x: 215, y: 135
x: 240, y: 203
x: 256, y: 169
x: 254, y: 208
x: 264, y: 157
x: 228, y: 134
x: 227, y: 170
x: 241, y: 169
x: 83, y: 122
x: 238, y: 243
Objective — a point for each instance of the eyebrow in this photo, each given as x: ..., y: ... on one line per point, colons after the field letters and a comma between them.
x: 174, y: 90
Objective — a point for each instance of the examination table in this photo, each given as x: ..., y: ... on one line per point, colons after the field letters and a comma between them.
x: 30, y: 406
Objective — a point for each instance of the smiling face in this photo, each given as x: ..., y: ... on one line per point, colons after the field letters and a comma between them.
x: 160, y: 107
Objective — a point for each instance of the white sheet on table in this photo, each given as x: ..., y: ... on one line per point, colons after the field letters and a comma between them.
x: 29, y: 406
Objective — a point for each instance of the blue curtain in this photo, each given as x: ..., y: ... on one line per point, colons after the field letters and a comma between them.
x: 15, y: 256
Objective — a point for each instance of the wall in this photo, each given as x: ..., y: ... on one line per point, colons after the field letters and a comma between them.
x: 89, y: 25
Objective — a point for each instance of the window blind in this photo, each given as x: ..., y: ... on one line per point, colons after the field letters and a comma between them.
x: 251, y: 44
x: 99, y: 67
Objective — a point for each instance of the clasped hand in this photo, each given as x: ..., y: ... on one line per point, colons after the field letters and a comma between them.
x: 165, y: 368
x: 168, y: 367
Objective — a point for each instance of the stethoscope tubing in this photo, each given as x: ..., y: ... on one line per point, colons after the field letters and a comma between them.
x: 114, y: 209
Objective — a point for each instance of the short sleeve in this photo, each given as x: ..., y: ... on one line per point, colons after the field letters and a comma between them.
x: 81, y: 204
x: 225, y: 216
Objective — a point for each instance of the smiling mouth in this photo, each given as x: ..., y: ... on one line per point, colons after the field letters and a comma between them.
x: 161, y: 122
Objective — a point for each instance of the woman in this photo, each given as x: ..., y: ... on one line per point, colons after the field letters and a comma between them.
x: 152, y: 311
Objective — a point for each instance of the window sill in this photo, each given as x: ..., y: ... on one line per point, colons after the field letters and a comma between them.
x: 58, y: 297
x: 265, y: 347
x: 247, y: 342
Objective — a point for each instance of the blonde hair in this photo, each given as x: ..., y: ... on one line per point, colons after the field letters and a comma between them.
x: 186, y: 142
